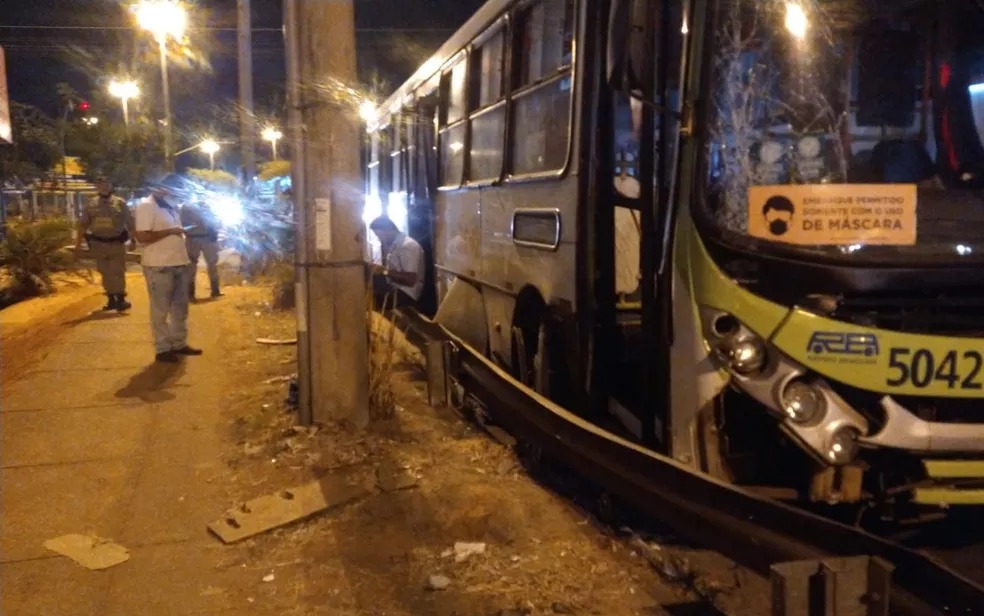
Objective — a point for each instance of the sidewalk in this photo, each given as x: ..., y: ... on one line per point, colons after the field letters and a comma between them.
x: 96, y: 438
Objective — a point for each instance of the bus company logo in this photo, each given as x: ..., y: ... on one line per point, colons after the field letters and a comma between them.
x: 843, y: 347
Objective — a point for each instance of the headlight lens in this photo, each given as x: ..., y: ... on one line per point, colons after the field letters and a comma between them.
x: 747, y: 356
x: 801, y: 402
x: 843, y: 447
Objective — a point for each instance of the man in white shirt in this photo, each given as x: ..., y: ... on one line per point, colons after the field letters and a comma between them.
x: 403, y: 264
x: 166, y: 268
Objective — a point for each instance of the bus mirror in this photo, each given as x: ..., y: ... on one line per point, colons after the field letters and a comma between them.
x: 626, y: 54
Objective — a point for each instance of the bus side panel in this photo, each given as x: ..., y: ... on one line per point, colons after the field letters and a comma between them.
x: 509, y: 267
x: 457, y: 251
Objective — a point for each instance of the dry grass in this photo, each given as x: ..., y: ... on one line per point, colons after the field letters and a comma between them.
x: 383, y: 357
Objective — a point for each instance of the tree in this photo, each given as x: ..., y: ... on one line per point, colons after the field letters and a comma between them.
x: 35, y: 148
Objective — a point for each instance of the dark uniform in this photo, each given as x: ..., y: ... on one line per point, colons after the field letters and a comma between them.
x: 202, y: 239
x: 105, y: 223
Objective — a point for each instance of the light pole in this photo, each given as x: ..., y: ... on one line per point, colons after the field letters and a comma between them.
x: 163, y: 18
x: 210, y: 147
x: 124, y: 90
x: 272, y: 135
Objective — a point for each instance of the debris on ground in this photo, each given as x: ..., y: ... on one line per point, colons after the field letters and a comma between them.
x: 438, y: 582
x: 281, y: 508
x: 93, y: 553
x: 280, y: 379
x: 269, y: 577
x: 463, y: 551
x: 276, y: 341
x: 390, y: 477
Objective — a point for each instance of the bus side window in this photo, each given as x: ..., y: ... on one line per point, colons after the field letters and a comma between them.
x: 489, y: 117
x: 453, y: 124
x: 541, y: 116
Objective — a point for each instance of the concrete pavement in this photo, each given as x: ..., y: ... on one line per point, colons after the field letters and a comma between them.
x: 96, y: 438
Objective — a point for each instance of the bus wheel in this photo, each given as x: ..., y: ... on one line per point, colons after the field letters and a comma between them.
x: 531, y: 358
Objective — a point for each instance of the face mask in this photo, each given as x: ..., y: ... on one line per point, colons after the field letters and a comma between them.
x: 778, y: 227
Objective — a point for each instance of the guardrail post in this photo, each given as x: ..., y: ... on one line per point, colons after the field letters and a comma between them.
x: 436, y: 356
x: 854, y: 586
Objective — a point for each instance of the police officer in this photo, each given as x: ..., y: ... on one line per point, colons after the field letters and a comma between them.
x: 202, y: 239
x: 106, y: 225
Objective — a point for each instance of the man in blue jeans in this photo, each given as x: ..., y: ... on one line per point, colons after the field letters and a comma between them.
x: 166, y: 267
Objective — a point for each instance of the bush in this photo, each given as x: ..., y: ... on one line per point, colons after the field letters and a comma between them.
x: 33, y: 251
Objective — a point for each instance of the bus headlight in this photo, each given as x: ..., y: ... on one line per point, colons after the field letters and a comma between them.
x: 843, y: 447
x: 747, y: 356
x: 801, y: 402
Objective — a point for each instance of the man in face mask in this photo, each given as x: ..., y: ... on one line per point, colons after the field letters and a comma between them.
x: 106, y: 225
x: 778, y: 213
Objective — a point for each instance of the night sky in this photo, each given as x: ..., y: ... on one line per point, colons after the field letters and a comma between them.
x: 394, y: 36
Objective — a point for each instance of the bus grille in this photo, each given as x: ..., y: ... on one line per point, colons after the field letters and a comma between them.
x: 932, y: 409
x: 939, y: 315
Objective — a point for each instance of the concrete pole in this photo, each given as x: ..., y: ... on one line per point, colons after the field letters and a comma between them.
x: 168, y: 129
x: 333, y: 369
x: 246, y: 128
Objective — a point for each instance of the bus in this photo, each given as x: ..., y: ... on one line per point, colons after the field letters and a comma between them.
x: 749, y: 234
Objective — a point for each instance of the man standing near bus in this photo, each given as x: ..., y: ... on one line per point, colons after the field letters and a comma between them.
x: 167, y: 269
x: 402, y: 272
x: 106, y: 225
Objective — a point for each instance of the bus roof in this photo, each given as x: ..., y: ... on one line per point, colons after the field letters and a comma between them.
x: 488, y: 13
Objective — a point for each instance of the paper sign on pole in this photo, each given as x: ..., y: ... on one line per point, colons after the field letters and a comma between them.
x: 322, y: 223
x: 834, y: 214
x: 6, y: 130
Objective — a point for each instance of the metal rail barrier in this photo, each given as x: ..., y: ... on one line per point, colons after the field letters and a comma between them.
x: 751, y: 530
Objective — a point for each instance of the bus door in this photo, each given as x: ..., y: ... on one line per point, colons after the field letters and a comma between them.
x: 423, y: 188
x: 646, y: 40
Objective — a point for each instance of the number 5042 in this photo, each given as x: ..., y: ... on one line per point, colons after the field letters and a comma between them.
x: 921, y: 368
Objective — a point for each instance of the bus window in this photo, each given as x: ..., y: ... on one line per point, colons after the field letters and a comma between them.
x: 452, y: 136
x: 541, y: 107
x: 396, y: 156
x: 487, y: 122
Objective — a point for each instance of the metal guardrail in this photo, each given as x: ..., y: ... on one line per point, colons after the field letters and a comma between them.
x: 751, y: 530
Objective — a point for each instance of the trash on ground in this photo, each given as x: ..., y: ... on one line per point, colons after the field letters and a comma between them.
x: 275, y: 510
x: 463, y: 550
x: 269, y: 577
x: 392, y: 478
x: 91, y: 552
x: 276, y: 341
x: 438, y: 582
x: 280, y: 379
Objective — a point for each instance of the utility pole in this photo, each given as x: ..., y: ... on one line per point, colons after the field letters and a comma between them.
x: 246, y: 129
x: 331, y: 286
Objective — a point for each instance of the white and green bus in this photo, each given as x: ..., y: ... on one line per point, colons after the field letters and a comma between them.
x: 748, y: 233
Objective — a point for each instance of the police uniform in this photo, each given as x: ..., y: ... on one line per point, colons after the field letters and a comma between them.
x: 106, y: 222
x: 202, y: 239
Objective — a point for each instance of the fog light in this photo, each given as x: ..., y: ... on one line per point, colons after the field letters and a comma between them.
x: 801, y: 402
x: 843, y: 446
x: 746, y: 356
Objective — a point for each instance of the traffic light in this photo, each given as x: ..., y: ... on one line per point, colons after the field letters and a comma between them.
x: 84, y: 106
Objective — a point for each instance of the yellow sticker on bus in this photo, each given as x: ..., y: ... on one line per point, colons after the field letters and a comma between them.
x: 885, y: 361
x: 834, y: 214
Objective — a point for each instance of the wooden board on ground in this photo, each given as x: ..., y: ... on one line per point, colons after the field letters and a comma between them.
x: 275, y: 510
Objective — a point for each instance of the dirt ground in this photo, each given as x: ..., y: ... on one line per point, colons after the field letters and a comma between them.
x: 432, y: 480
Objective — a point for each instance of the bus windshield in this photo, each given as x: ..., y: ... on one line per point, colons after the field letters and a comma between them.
x: 848, y: 129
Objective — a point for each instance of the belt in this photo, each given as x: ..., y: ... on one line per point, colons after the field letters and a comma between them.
x: 119, y: 239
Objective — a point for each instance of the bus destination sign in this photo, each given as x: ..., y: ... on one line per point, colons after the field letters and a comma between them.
x: 834, y: 214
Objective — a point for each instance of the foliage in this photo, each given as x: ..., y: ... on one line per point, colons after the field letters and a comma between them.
x: 382, y: 360
x: 33, y: 251
x: 274, y: 169
x: 35, y: 147
x: 127, y: 155
x: 216, y: 180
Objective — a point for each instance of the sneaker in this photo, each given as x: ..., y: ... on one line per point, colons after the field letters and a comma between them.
x: 122, y: 305
x: 217, y: 294
x: 187, y: 350
x: 167, y: 357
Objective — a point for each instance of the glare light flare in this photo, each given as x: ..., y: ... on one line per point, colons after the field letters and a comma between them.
x: 272, y: 134
x: 976, y: 88
x: 210, y: 146
x: 796, y: 21
x: 373, y: 209
x: 368, y: 113
x: 125, y: 89
x: 163, y: 18
x: 227, y: 208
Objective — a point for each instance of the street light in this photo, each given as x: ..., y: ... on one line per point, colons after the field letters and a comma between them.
x: 163, y: 18
x: 124, y: 90
x: 272, y: 135
x: 210, y: 147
